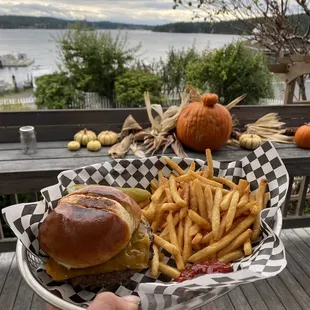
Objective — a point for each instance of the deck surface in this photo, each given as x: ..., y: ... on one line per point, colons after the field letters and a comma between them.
x: 288, y: 291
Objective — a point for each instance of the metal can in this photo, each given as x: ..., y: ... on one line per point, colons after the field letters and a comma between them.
x: 28, y: 139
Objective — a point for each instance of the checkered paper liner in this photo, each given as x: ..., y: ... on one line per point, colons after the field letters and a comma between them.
x: 267, y: 260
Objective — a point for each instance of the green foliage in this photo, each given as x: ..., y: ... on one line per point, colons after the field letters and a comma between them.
x: 17, y: 106
x: 55, y: 91
x: 94, y: 59
x: 230, y: 72
x: 173, y: 69
x: 130, y: 87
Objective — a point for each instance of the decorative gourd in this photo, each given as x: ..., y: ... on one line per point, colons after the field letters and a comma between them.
x: 84, y: 136
x: 94, y: 145
x: 250, y: 141
x: 302, y: 136
x: 73, y: 145
x: 107, y: 137
x: 204, y: 125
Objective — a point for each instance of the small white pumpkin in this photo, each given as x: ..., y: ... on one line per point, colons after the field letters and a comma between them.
x: 73, y: 146
x: 94, y: 145
x: 107, y: 137
x: 250, y: 141
x: 84, y: 136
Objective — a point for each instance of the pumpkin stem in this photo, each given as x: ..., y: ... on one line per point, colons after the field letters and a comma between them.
x: 209, y: 99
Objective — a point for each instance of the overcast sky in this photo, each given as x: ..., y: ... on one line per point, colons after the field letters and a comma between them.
x: 130, y: 11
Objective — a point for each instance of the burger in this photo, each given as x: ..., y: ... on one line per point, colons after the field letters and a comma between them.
x: 95, y: 236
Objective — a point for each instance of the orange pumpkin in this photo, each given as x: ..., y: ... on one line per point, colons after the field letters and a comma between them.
x: 302, y: 136
x: 204, y: 125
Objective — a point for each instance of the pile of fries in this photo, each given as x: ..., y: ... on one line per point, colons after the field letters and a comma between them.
x: 196, y: 219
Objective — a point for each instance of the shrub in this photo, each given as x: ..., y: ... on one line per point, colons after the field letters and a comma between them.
x: 230, y: 72
x: 94, y: 58
x: 173, y: 69
x: 130, y: 87
x: 55, y: 91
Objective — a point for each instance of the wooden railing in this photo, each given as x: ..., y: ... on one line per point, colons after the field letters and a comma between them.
x: 60, y: 125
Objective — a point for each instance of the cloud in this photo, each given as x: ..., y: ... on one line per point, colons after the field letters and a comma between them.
x: 132, y: 11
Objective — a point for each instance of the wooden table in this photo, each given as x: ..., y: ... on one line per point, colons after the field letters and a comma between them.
x: 21, y: 173
x: 290, y: 290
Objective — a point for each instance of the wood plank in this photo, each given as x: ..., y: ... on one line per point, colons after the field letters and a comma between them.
x: 295, y: 288
x: 59, y: 132
x: 298, y: 273
x: 5, y: 264
x: 285, y: 296
x: 227, y: 154
x: 268, y: 295
x: 277, y: 68
x: 18, y: 173
x: 37, y: 303
x: 40, y: 145
x: 70, y: 117
x: 303, y: 235
x: 24, y: 297
x: 296, y: 222
x: 61, y: 124
x: 209, y: 306
x: 238, y: 299
x: 290, y: 241
x: 10, y: 288
x: 7, y: 245
x: 254, y: 299
x: 224, y: 302
x: 302, y: 195
x: 286, y: 205
x: 289, y: 92
x: 298, y: 256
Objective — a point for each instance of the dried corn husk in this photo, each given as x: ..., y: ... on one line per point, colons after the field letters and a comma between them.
x: 121, y: 148
x: 129, y: 125
x: 137, y: 150
x: 270, y: 128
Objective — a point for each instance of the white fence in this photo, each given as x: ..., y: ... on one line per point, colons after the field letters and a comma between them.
x: 28, y: 103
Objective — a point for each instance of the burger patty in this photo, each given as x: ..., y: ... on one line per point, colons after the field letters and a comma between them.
x: 110, y: 278
x: 104, y: 279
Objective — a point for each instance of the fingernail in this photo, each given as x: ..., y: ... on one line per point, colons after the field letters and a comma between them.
x: 133, y: 299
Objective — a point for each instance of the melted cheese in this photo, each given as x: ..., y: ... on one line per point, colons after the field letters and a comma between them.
x: 134, y: 256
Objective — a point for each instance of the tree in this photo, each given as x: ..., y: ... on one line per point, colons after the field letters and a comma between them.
x: 281, y: 26
x: 94, y: 59
x: 130, y: 87
x: 55, y: 91
x: 173, y: 69
x: 230, y: 72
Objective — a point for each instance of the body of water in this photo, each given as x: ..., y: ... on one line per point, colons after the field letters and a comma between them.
x: 40, y: 45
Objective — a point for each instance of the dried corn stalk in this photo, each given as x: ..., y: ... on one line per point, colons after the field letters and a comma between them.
x: 144, y: 142
x: 269, y: 128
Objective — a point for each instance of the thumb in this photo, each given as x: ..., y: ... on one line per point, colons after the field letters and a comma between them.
x: 109, y: 301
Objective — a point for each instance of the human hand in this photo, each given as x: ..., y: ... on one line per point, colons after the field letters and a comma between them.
x: 109, y: 301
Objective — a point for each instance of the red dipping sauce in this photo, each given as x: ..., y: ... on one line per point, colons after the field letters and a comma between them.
x: 212, y: 266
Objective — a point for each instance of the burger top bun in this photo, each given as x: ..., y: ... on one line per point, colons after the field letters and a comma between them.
x: 89, y: 226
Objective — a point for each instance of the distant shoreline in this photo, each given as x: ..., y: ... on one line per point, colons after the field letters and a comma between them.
x: 8, y: 22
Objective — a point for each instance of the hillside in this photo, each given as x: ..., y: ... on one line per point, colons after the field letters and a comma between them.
x: 30, y: 22
x: 226, y: 27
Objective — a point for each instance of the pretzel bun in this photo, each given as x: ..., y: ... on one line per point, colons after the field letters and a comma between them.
x: 89, y: 226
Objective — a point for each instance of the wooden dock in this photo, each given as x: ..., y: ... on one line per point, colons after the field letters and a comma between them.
x: 288, y: 291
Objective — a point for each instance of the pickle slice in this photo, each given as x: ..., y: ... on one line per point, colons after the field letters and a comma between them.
x: 137, y: 194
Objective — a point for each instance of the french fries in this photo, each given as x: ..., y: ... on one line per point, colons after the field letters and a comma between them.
x: 219, y: 245
x: 197, y: 217
x: 216, y: 220
x: 155, y: 261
